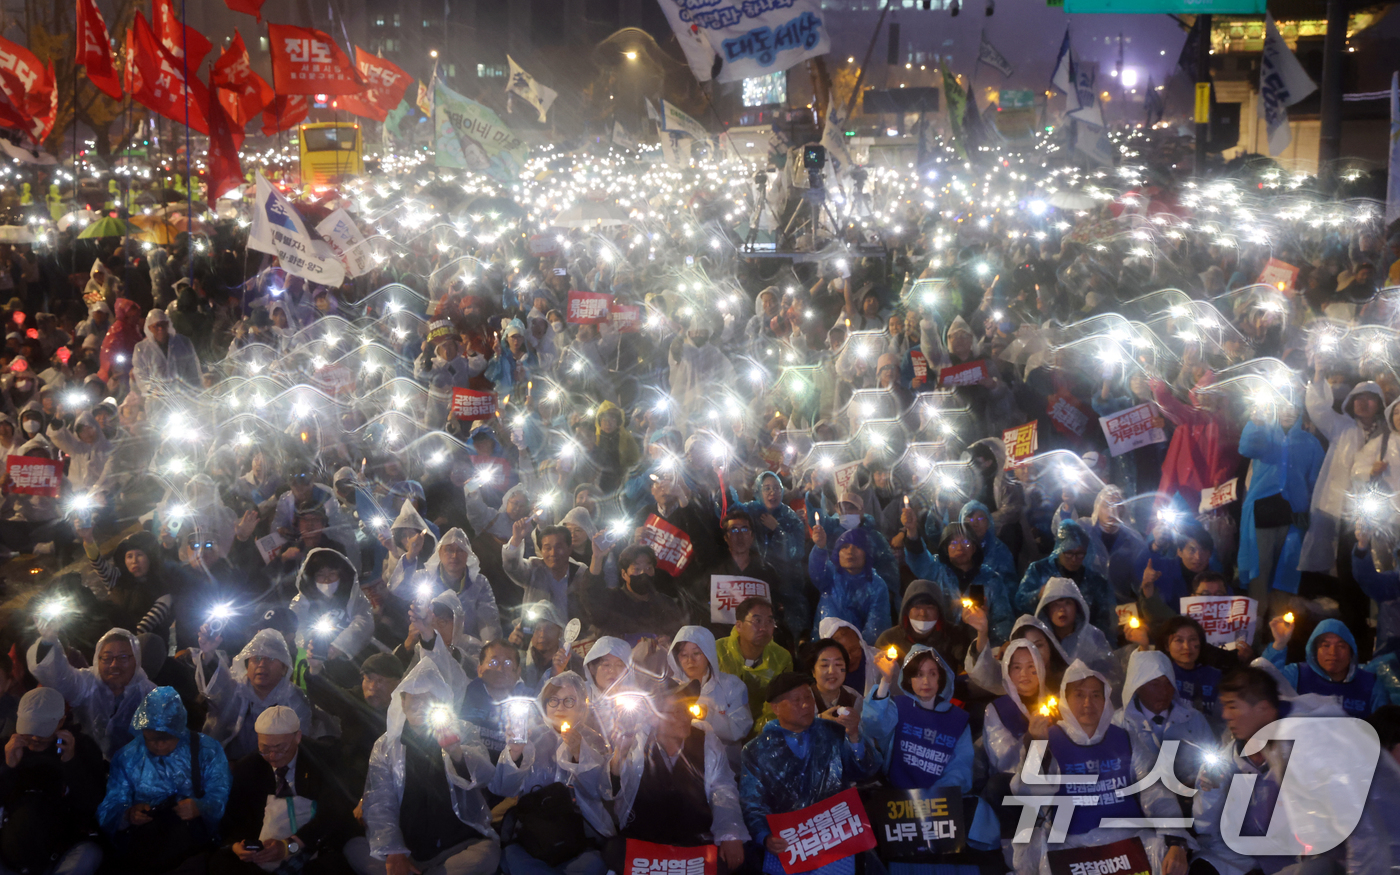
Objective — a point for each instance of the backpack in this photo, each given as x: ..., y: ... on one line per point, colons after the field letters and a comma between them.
x: 547, y: 825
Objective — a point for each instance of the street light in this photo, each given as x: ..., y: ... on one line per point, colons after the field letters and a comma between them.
x: 631, y: 56
x: 433, y: 53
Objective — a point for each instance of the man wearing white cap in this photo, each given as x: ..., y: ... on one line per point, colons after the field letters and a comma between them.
x: 259, y: 678
x: 165, y: 363
x: 285, y: 803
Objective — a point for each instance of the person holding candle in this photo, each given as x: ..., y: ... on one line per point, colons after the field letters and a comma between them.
x: 723, y: 696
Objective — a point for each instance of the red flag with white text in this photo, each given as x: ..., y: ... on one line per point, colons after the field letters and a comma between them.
x: 225, y: 174
x: 251, y: 7
x: 28, y: 90
x: 387, y: 84
x: 307, y: 61
x: 242, y: 92
x: 95, y: 50
x: 286, y: 111
x: 176, y: 36
x: 163, y: 89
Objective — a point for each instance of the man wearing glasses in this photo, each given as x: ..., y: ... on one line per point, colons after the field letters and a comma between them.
x: 104, y: 696
x: 489, y: 698
x: 751, y: 654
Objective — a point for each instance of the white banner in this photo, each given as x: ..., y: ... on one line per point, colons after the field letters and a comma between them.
x: 278, y: 230
x: 838, y: 157
x: 524, y: 85
x: 1129, y: 429
x: 346, y: 242
x: 757, y: 37
x: 728, y: 590
x: 1282, y: 83
x: 677, y: 122
x: 1226, y: 618
x: 699, y: 54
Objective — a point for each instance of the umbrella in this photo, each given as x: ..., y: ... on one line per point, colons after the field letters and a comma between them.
x: 16, y: 234
x: 1071, y: 200
x: 82, y: 217
x: 176, y: 222
x: 591, y: 213
x: 107, y: 227
x: 160, y: 233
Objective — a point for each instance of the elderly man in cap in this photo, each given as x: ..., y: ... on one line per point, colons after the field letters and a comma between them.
x: 51, y: 783
x: 165, y: 363
x: 286, y: 802
x: 798, y: 760
x: 103, y: 696
x: 361, y: 709
x: 260, y: 678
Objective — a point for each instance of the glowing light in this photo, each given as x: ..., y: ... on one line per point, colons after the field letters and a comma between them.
x: 892, y: 652
x: 1288, y: 617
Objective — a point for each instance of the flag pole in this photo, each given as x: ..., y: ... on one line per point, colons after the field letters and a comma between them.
x: 189, y: 179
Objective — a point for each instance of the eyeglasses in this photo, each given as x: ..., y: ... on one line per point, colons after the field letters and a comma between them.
x: 501, y: 663
x: 328, y: 576
x: 121, y: 658
x: 760, y: 622
x: 738, y: 530
x: 567, y: 704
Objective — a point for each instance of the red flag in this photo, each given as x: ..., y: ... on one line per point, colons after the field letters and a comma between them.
x: 287, y: 111
x: 162, y: 87
x: 307, y: 61
x: 176, y: 36
x: 252, y: 7
x: 243, y: 93
x: 95, y: 50
x: 131, y: 73
x: 225, y: 174
x: 46, y: 108
x: 387, y: 83
x: 27, y: 88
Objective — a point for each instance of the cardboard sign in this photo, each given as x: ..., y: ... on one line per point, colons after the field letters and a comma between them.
x: 843, y: 476
x: 1127, y: 857
x: 627, y: 318
x: 1279, y: 274
x: 672, y: 546
x: 728, y: 590
x: 1021, y: 443
x: 1224, y: 617
x: 1126, y: 613
x: 31, y: 475
x: 268, y: 544
x: 1129, y: 429
x: 1068, y: 414
x: 588, y: 308
x: 648, y: 858
x: 543, y: 244
x: 913, y: 825
x: 833, y: 829
x: 471, y: 404
x: 968, y: 374
x: 1219, y: 496
x: 920, y: 363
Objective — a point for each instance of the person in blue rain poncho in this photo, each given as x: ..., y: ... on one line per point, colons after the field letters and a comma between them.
x: 849, y: 587
x: 1068, y: 560
x: 1287, y: 459
x: 977, y: 520
x: 1331, y: 668
x: 157, y: 811
x: 1113, y: 543
x: 779, y: 538
x: 961, y: 570
x: 923, y: 737
x: 512, y: 367
x: 851, y: 516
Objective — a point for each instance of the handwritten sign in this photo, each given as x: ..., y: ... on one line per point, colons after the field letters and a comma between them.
x: 1068, y: 414
x: 844, y: 476
x: 913, y: 825
x: 833, y: 829
x: 728, y: 590
x: 1219, y: 496
x: 1279, y: 274
x: 969, y: 374
x: 1224, y: 617
x: 268, y: 545
x: 1021, y: 443
x: 470, y: 404
x: 588, y: 308
x: 1129, y: 429
x: 343, y: 235
x: 671, y: 545
x: 33, y: 475
x: 1127, y: 857
x: 648, y: 858
x: 627, y: 318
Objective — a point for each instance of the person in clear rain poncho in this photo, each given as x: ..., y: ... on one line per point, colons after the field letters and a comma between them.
x: 1154, y: 713
x: 723, y: 697
x: 454, y: 567
x: 104, y: 696
x: 333, y: 614
x: 260, y: 677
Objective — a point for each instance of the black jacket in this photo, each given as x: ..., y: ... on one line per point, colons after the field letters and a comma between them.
x: 50, y: 805
x: 316, y: 778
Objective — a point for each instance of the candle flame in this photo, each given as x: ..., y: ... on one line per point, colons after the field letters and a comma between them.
x: 1288, y: 617
x: 893, y: 652
x: 697, y: 712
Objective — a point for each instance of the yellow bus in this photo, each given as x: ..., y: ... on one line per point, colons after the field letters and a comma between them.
x: 330, y: 152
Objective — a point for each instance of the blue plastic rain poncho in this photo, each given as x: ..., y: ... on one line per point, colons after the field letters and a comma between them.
x: 994, y: 553
x: 1285, y: 464
x: 139, y: 777
x: 502, y: 369
x: 781, y: 548
x: 880, y: 553
x: 861, y: 599
x: 1094, y: 588
x: 996, y: 589
x: 1360, y: 692
x: 104, y: 715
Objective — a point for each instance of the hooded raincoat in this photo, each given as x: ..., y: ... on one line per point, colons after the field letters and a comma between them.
x: 994, y: 553
x: 341, y: 619
x: 481, y: 619
x: 985, y: 671
x: 89, y: 460
x: 1284, y: 464
x: 782, y: 548
x: 1006, y: 720
x: 984, y: 584
x: 1093, y: 587
x: 104, y: 715
x: 867, y: 675
x: 1359, y: 693
x: 861, y: 599
x: 1086, y: 643
x: 1181, y: 722
x: 233, y: 704
x: 723, y: 696
x: 1345, y: 439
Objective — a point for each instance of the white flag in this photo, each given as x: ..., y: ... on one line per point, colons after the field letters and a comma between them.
x: 1063, y: 76
x: 278, y: 230
x: 759, y: 37
x: 532, y: 92
x: 838, y: 157
x: 1392, y: 191
x: 1282, y: 83
x: 620, y: 139
x: 988, y: 54
x: 699, y: 54
x: 346, y: 241
x: 675, y: 121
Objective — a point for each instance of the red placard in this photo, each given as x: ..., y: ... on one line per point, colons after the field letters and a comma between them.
x: 833, y: 829
x: 627, y: 318
x: 307, y: 61
x: 588, y: 308
x: 648, y: 858
x: 32, y: 475
x: 672, y: 546
x: 1279, y: 274
x: 471, y: 404
x: 920, y: 363
x: 543, y: 244
x: 1068, y: 414
x: 964, y: 375
x: 1021, y: 443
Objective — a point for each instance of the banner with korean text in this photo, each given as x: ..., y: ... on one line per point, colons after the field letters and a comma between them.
x: 649, y: 858
x: 34, y: 475
x: 671, y: 545
x: 587, y: 308
x: 1129, y: 429
x: 728, y: 590
x: 471, y: 404
x: 914, y: 825
x: 833, y: 829
x: 1226, y: 618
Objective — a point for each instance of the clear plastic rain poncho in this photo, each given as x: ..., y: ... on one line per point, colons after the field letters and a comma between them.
x: 481, y: 619
x: 104, y: 715
x: 604, y: 702
x: 340, y: 619
x: 384, y: 784
x: 1007, y: 718
x: 1181, y: 721
x: 723, y: 696
x: 1085, y: 642
x: 233, y: 704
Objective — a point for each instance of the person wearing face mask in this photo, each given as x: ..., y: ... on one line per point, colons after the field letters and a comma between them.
x: 723, y: 697
x: 961, y: 572
x: 926, y: 619
x: 849, y: 586
x: 1068, y: 561
x: 850, y: 515
x: 333, y: 615
x: 19, y: 387
x: 634, y: 609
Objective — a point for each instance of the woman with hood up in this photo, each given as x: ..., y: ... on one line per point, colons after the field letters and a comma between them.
x: 423, y: 807
x: 925, y: 738
x: 410, y: 545
x: 1068, y: 560
x: 514, y: 362
x: 1081, y: 732
x: 862, y: 669
x: 976, y: 518
x: 333, y: 615
x: 607, y: 667
x: 723, y: 697
x: 960, y: 570
x: 1023, y: 677
x: 565, y: 748
x: 849, y: 587
x: 614, y: 450
x: 454, y: 567
x: 1062, y: 608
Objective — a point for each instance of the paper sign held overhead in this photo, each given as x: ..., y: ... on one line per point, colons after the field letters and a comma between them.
x: 728, y: 590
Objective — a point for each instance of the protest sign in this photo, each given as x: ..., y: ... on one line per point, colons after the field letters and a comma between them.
x: 1021, y: 443
x: 843, y: 476
x: 588, y: 308
x: 627, y: 318
x: 671, y: 545
x: 1224, y: 617
x: 470, y: 404
x: 833, y: 829
x: 343, y: 235
x: 648, y: 858
x: 1068, y: 414
x: 267, y: 545
x: 1129, y: 429
x: 543, y: 244
x: 728, y: 590
x: 968, y: 374
x: 913, y: 825
x: 1127, y: 857
x: 920, y: 366
x: 1279, y: 274
x: 33, y: 475
x: 1219, y: 496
